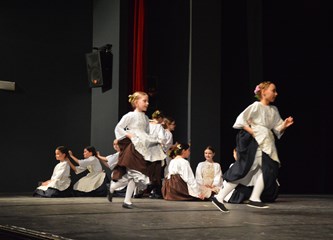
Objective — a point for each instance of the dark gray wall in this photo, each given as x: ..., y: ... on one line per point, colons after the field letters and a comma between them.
x: 42, y: 47
x: 104, y: 115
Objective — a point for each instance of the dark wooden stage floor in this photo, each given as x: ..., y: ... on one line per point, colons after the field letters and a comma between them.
x: 290, y: 217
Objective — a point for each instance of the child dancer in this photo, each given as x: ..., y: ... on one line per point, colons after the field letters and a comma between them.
x: 180, y: 184
x: 58, y: 185
x: 94, y: 183
x: 140, y: 153
x: 157, y: 129
x: 169, y: 125
x: 111, y: 162
x: 208, y: 173
x: 256, y: 151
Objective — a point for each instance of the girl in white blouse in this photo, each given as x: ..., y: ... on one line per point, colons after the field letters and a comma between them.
x: 157, y: 129
x: 94, y: 183
x: 180, y: 183
x: 58, y: 185
x: 208, y: 173
x: 169, y: 125
x: 141, y: 153
x: 258, y: 160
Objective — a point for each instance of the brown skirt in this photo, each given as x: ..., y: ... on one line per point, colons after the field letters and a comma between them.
x: 175, y: 189
x: 132, y: 159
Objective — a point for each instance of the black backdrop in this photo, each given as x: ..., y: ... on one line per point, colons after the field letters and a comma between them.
x: 280, y: 41
x: 43, y: 46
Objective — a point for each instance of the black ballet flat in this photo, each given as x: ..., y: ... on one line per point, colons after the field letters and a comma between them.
x: 128, y: 206
x: 109, y: 196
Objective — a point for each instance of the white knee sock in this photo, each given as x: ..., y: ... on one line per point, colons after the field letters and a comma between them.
x: 116, y: 185
x: 227, y: 188
x: 258, y: 189
x: 129, y: 191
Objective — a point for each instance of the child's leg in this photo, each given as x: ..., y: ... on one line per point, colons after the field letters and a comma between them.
x: 258, y: 189
x: 227, y: 188
x: 129, y: 191
x: 115, y: 185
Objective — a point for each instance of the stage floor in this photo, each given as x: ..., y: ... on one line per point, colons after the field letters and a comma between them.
x: 290, y: 217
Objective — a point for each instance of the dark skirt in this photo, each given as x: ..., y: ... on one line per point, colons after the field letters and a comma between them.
x: 175, y: 189
x: 243, y: 193
x: 130, y: 158
x: 246, y: 148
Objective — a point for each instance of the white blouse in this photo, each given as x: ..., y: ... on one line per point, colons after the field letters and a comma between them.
x: 182, y: 167
x: 169, y: 140
x: 60, y: 178
x: 209, y: 173
x: 137, y: 123
x: 91, y: 163
x: 94, y: 179
x: 157, y: 130
x: 112, y: 160
x: 264, y: 120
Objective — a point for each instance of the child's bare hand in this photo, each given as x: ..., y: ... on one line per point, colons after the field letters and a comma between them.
x: 201, y: 196
x: 288, y: 121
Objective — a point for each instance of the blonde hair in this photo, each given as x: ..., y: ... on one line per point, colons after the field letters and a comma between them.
x: 135, y: 96
x: 261, y: 86
x: 157, y: 114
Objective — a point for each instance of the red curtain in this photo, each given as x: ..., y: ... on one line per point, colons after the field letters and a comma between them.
x: 138, y: 45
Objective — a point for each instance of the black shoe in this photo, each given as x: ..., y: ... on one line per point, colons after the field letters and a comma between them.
x: 155, y: 196
x: 257, y: 204
x: 128, y: 206
x: 109, y: 195
x: 219, y: 205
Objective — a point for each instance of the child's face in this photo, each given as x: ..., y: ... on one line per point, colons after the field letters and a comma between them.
x: 59, y: 155
x: 142, y: 103
x: 187, y: 153
x: 270, y: 93
x: 209, y: 154
x: 86, y: 153
x: 172, y: 126
x: 116, y: 147
x: 159, y: 120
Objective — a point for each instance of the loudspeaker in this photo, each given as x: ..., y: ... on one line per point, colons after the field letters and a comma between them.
x: 99, y: 68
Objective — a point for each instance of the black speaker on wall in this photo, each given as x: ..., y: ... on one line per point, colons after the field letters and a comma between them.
x: 99, y: 68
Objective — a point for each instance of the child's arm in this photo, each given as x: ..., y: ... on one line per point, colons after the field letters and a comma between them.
x: 249, y: 130
x: 73, y: 157
x: 101, y: 157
